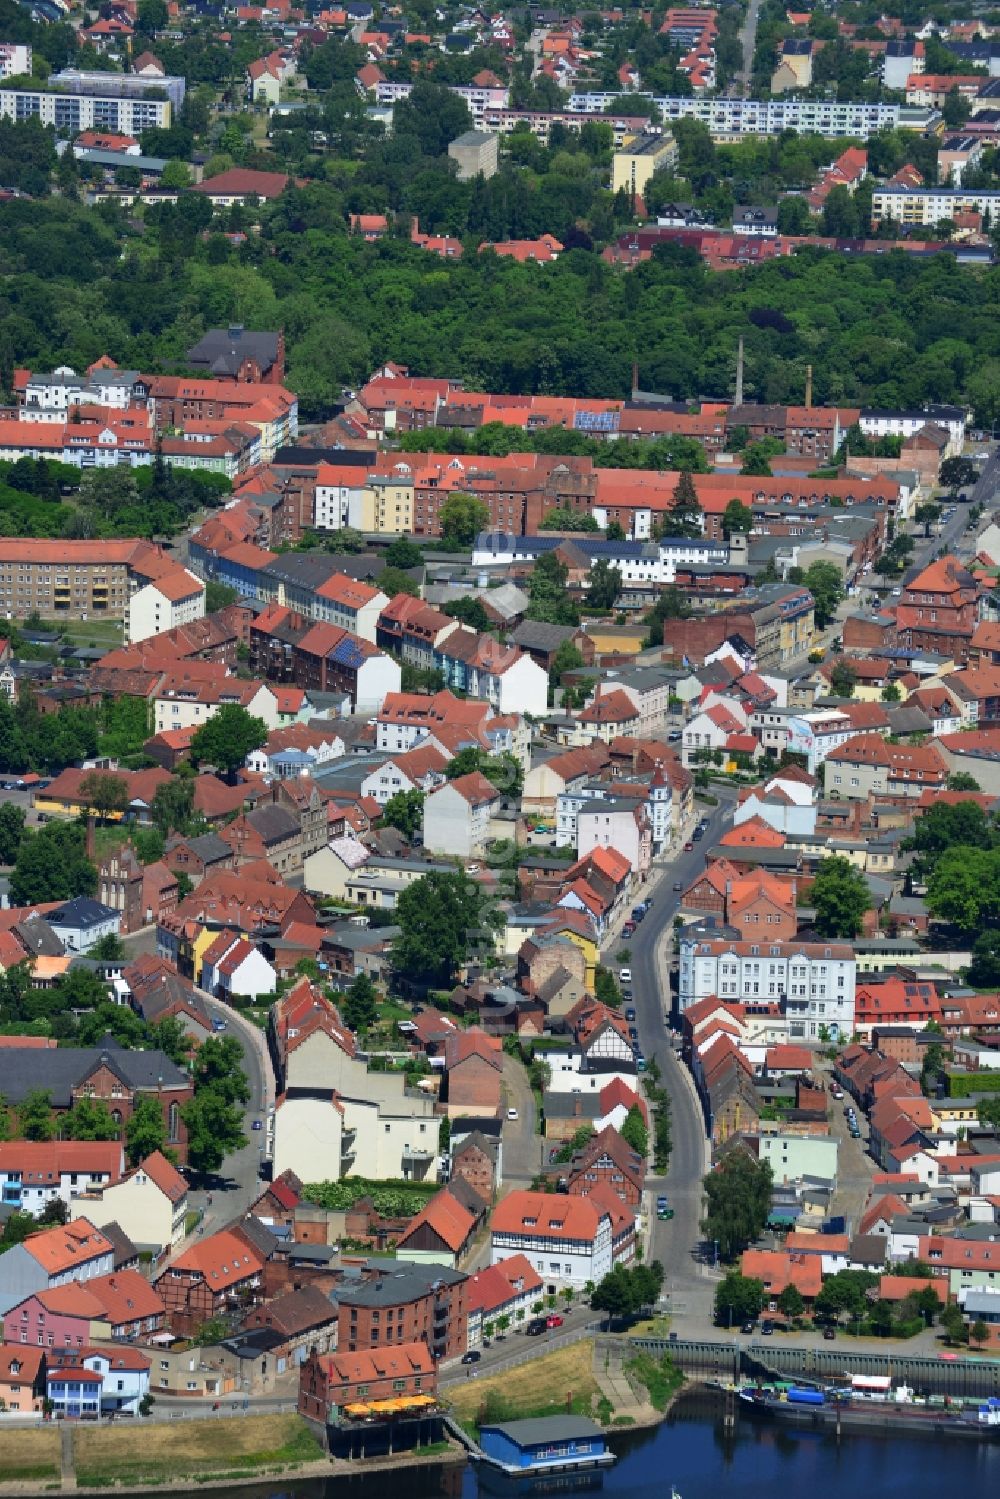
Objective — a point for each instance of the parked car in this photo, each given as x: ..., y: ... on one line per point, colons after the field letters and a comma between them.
x: 766, y: 1329
x: 624, y: 975
x: 678, y: 885
x: 553, y: 1320
x: 829, y: 1334
x: 628, y: 928
x: 472, y: 1357
x: 748, y: 1328
x: 535, y: 1327
x: 257, y: 1124
x: 633, y: 1034
x: 218, y: 1024
x: 511, y: 1114
x: 630, y: 1012
x: 688, y: 847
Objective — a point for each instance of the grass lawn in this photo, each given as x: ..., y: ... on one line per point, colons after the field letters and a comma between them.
x: 108, y: 837
x: 120, y: 1454
x: 29, y: 1454
x: 552, y: 1384
x: 107, y: 632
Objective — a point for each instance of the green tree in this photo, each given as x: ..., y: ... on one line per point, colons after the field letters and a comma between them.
x: 826, y: 585
x: 36, y: 1120
x: 11, y: 831
x: 444, y: 919
x: 52, y: 865
x: 462, y: 517
x: 218, y: 596
x: 361, y: 1005
x: 931, y: 1067
x: 145, y: 1130
x: 890, y: 693
x: 173, y: 805
x: 567, y: 658
x: 90, y: 1119
x: 606, y: 988
x: 471, y: 611
x: 393, y: 581
x: 671, y: 604
x: 737, y: 517
x: 979, y: 1332
x: 404, y: 553
x: 104, y: 794
x: 109, y: 948
x: 547, y: 584
x: 604, y: 584
x: 953, y: 1323
x: 946, y: 825
x: 756, y: 460
x: 214, y: 1129
x: 927, y: 515
x: 960, y: 780
x: 964, y: 888
x: 227, y: 738
x: 218, y: 1068
x: 843, y: 680
x: 737, y: 1203
x: 738, y: 1299
x: 634, y: 1132
x: 791, y: 1302
x: 845, y: 1292
x: 840, y: 896
x: 685, y: 516
x: 568, y: 520
x: 405, y: 811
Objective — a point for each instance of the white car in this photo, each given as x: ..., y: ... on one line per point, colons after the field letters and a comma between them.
x: 624, y: 975
x: 511, y: 1113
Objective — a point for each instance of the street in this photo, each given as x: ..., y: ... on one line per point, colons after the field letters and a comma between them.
x: 675, y: 1243
x: 232, y: 1193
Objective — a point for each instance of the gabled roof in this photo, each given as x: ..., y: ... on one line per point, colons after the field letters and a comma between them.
x: 221, y: 1261
x: 446, y: 1219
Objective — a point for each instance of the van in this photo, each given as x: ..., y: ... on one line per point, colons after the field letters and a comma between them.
x: 535, y: 1327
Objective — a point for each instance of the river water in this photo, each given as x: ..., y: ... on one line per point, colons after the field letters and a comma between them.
x: 694, y: 1452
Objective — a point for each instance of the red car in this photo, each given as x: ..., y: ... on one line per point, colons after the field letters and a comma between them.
x: 553, y: 1320
x: 688, y: 847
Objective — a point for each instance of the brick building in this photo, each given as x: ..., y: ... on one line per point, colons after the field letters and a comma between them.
x: 609, y: 1160
x: 939, y: 610
x: 215, y: 1276
x: 474, y: 1160
x: 329, y: 1382
x: 406, y: 1303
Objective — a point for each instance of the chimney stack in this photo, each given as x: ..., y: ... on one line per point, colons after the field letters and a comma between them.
x: 809, y: 387
x: 738, y: 397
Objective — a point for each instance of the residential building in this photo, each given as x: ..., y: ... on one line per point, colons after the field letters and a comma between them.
x: 501, y: 1296
x: 214, y: 1276
x: 405, y: 1302
x: 815, y: 980
x: 149, y: 1204
x: 120, y: 1305
x: 34, y: 1173
x: 566, y: 1239
x: 633, y: 166
x: 457, y: 816
x: 72, y: 1252
x: 115, y: 1380
x: 176, y: 598
x: 477, y: 154
x: 330, y: 1382
x: 867, y: 765
x: 103, y: 102
x: 75, y: 579
x: 22, y: 1376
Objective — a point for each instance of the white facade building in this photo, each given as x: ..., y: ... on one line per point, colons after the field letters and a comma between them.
x: 814, y: 980
x: 174, y: 600
x: 566, y: 1239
